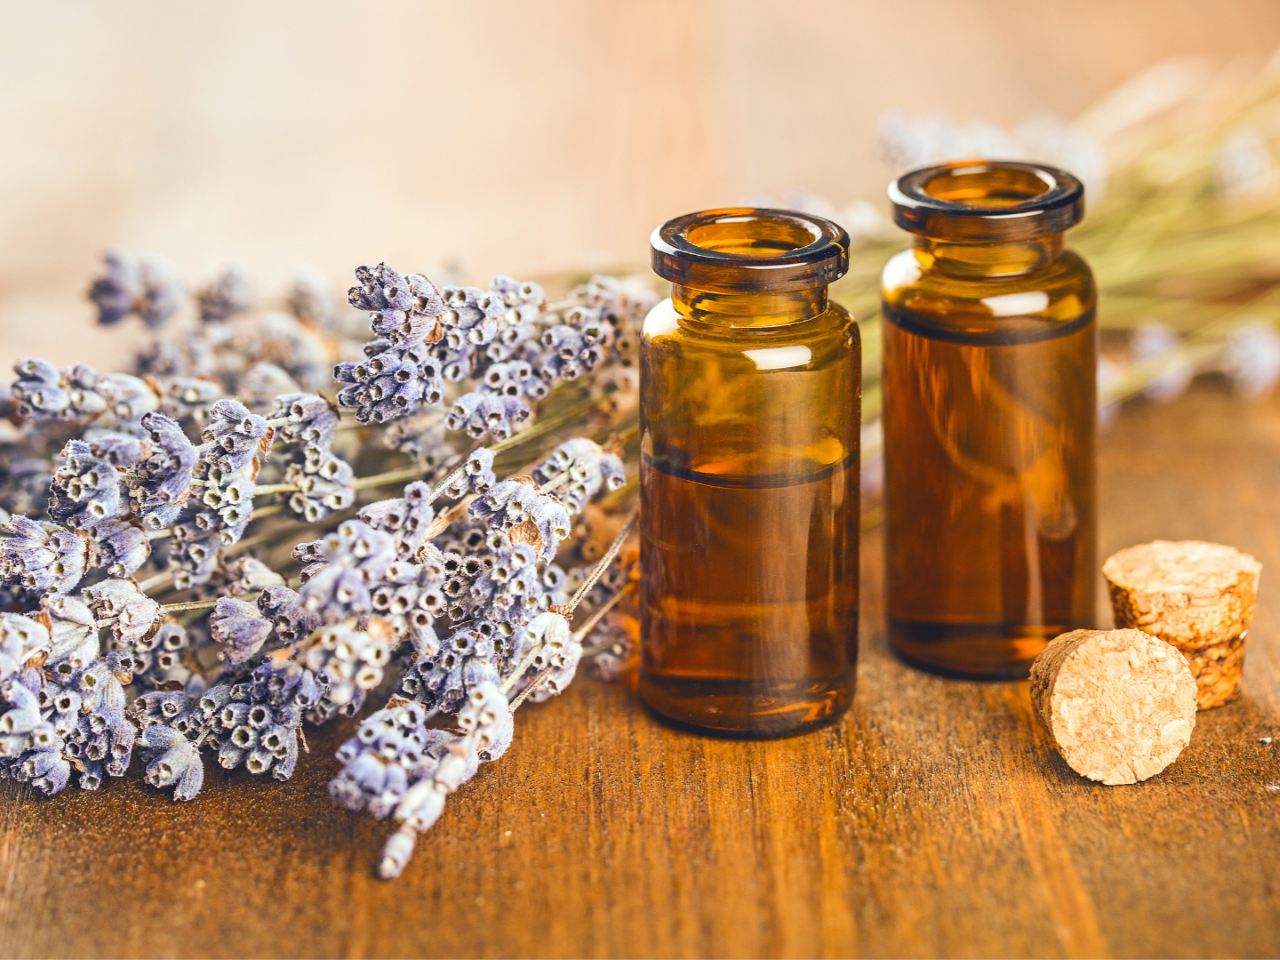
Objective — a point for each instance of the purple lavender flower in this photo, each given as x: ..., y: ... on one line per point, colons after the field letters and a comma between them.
x: 325, y: 482
x: 588, y: 468
x: 256, y: 722
x: 24, y: 479
x: 357, y: 556
x: 514, y: 502
x: 392, y: 749
x: 22, y: 640
x: 160, y: 484
x: 234, y: 435
x: 136, y: 614
x: 86, y: 491
x: 30, y: 748
x: 121, y: 546
x: 443, y: 680
x: 44, y: 557
x: 120, y: 450
x: 309, y: 299
x: 283, y: 607
x: 407, y: 518
x: 308, y: 418
x: 118, y: 290
x: 227, y: 294
x: 392, y: 299
x: 148, y: 286
x: 348, y: 661
x: 247, y: 575
x: 478, y: 476
x: 481, y: 414
x: 176, y: 762
x: 240, y: 627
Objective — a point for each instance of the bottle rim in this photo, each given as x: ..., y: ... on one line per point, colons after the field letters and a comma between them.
x: 1004, y: 200
x: 750, y: 249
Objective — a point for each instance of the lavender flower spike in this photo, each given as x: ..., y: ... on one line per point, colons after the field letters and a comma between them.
x: 241, y: 627
x: 45, y: 557
x: 161, y: 483
x: 177, y: 762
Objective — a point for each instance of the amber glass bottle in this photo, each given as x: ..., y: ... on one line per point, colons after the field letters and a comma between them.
x: 749, y: 414
x: 990, y: 359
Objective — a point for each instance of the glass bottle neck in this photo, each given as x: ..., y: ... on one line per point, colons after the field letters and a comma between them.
x: 750, y: 309
x: 1000, y: 259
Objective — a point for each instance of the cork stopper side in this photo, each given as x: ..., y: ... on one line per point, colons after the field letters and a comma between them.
x: 1197, y: 596
x: 1119, y: 705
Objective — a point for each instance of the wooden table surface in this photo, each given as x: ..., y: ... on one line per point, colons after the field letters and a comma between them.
x: 934, y: 820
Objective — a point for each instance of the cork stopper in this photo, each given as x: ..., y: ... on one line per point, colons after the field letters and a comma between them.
x: 1120, y: 705
x: 1197, y: 596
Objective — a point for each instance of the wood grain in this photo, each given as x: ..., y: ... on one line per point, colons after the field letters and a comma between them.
x: 934, y: 820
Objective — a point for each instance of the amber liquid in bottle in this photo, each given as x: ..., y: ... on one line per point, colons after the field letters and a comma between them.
x: 990, y: 358
x: 750, y: 519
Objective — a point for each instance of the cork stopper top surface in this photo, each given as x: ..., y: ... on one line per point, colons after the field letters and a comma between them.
x: 1186, y: 567
x: 1119, y: 704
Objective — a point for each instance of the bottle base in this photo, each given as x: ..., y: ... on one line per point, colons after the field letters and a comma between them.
x: 746, y: 709
x: 972, y: 651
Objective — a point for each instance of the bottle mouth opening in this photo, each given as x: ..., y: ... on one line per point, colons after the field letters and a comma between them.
x: 987, y: 200
x: 750, y: 249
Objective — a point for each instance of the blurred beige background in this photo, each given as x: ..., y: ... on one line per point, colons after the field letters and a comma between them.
x: 505, y: 136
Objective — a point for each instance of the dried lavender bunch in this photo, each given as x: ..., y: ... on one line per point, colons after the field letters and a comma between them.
x: 130, y: 486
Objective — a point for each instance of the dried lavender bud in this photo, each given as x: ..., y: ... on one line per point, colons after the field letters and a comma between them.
x: 148, y: 286
x: 588, y: 467
x: 227, y: 294
x: 86, y: 491
x: 118, y: 449
x: 136, y: 613
x: 71, y: 625
x: 347, y: 660
x: 24, y: 480
x: 190, y: 398
x: 283, y: 607
x: 195, y: 553
x: 125, y: 397
x: 121, y: 546
x: 240, y: 627
x: 512, y: 502
x: 235, y: 435
x: 392, y: 749
x: 161, y: 652
x: 325, y: 482
x: 471, y: 316
x: 45, y: 557
x: 280, y: 339
x: 160, y: 484
x: 21, y: 640
x: 481, y: 414
x: 308, y: 418
x: 30, y: 749
x: 117, y: 292
x: 357, y: 556
x: 176, y: 762
x: 256, y: 722
x: 407, y: 518
x: 445, y: 679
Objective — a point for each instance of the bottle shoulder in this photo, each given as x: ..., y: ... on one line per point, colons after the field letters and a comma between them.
x: 664, y: 325
x: 1063, y: 290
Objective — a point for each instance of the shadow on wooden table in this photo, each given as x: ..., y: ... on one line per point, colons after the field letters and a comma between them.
x: 935, y: 820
